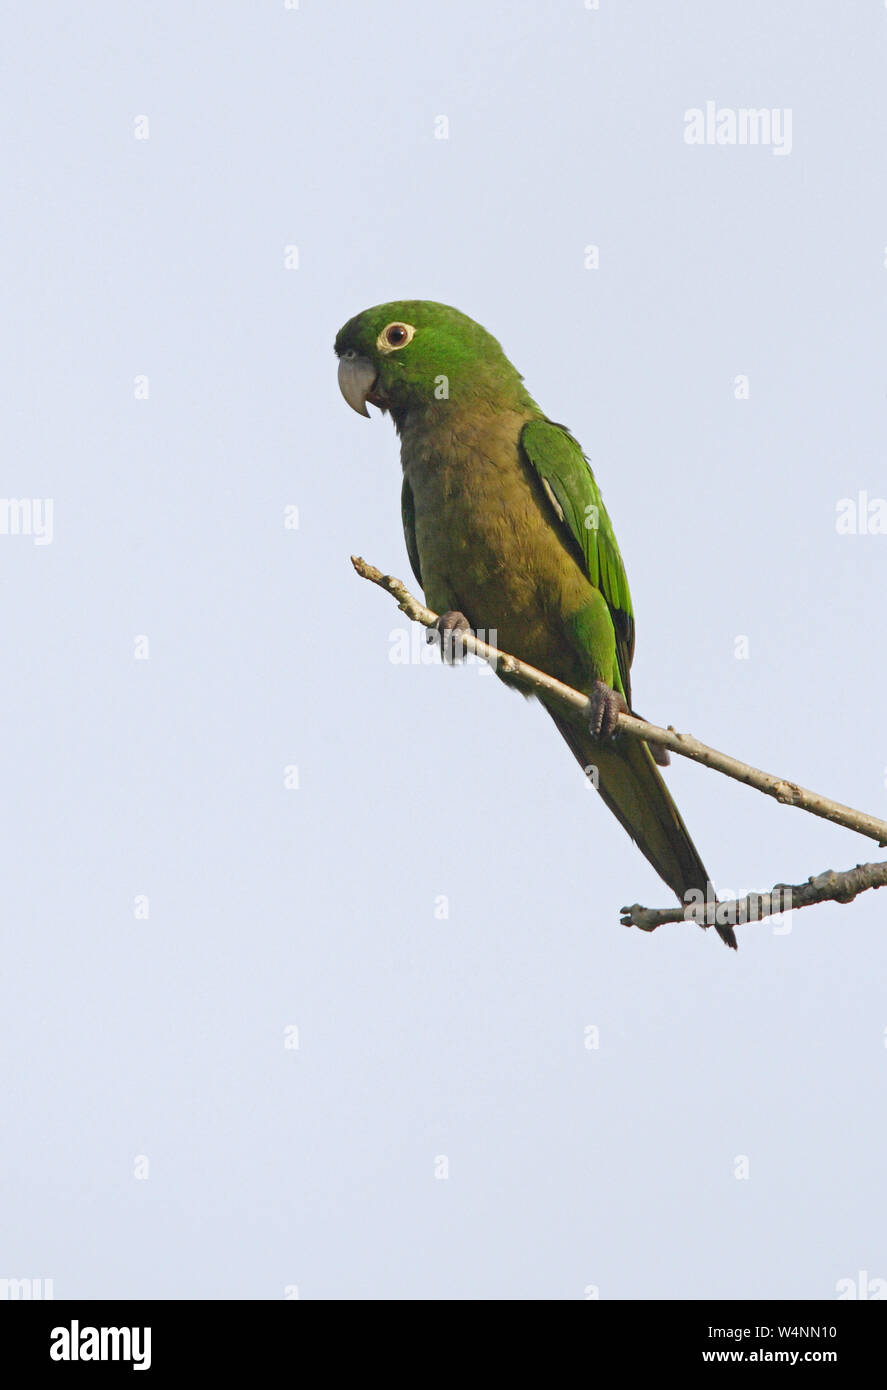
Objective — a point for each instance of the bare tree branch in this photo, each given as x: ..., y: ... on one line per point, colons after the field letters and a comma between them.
x: 825, y: 887
x: 828, y: 886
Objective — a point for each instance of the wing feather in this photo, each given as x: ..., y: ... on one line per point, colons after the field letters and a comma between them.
x: 566, y: 477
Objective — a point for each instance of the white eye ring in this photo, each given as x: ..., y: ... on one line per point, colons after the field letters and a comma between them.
x: 384, y: 345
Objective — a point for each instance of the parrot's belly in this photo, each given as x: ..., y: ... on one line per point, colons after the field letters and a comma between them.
x: 490, y: 547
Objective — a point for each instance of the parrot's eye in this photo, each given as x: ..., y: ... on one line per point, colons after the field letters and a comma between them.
x: 396, y: 335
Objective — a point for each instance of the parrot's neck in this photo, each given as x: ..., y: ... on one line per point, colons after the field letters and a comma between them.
x: 476, y: 413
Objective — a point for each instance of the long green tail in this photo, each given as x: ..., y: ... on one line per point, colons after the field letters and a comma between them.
x: 632, y: 786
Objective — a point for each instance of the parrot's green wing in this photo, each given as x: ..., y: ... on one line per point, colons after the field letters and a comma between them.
x: 408, y: 515
x: 566, y: 475
x: 629, y: 780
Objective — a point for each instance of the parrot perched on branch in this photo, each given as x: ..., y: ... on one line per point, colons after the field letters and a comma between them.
x: 507, y: 534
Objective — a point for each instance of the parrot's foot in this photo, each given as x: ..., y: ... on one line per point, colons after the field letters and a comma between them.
x: 658, y: 753
x: 604, y: 708
x: 448, y: 632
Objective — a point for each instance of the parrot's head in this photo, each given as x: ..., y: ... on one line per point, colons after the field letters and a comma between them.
x: 414, y: 353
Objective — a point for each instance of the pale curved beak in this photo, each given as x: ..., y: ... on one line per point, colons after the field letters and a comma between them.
x: 356, y: 377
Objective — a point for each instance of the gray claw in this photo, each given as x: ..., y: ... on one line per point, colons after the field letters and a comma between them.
x: 448, y: 632
x: 604, y: 707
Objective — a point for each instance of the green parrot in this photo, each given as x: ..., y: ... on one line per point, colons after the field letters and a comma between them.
x: 507, y: 534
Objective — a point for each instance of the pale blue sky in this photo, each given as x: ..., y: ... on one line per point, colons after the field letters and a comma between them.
x: 568, y: 1167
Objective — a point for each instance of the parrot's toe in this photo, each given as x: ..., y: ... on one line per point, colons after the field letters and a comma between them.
x: 448, y: 632
x: 604, y: 708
